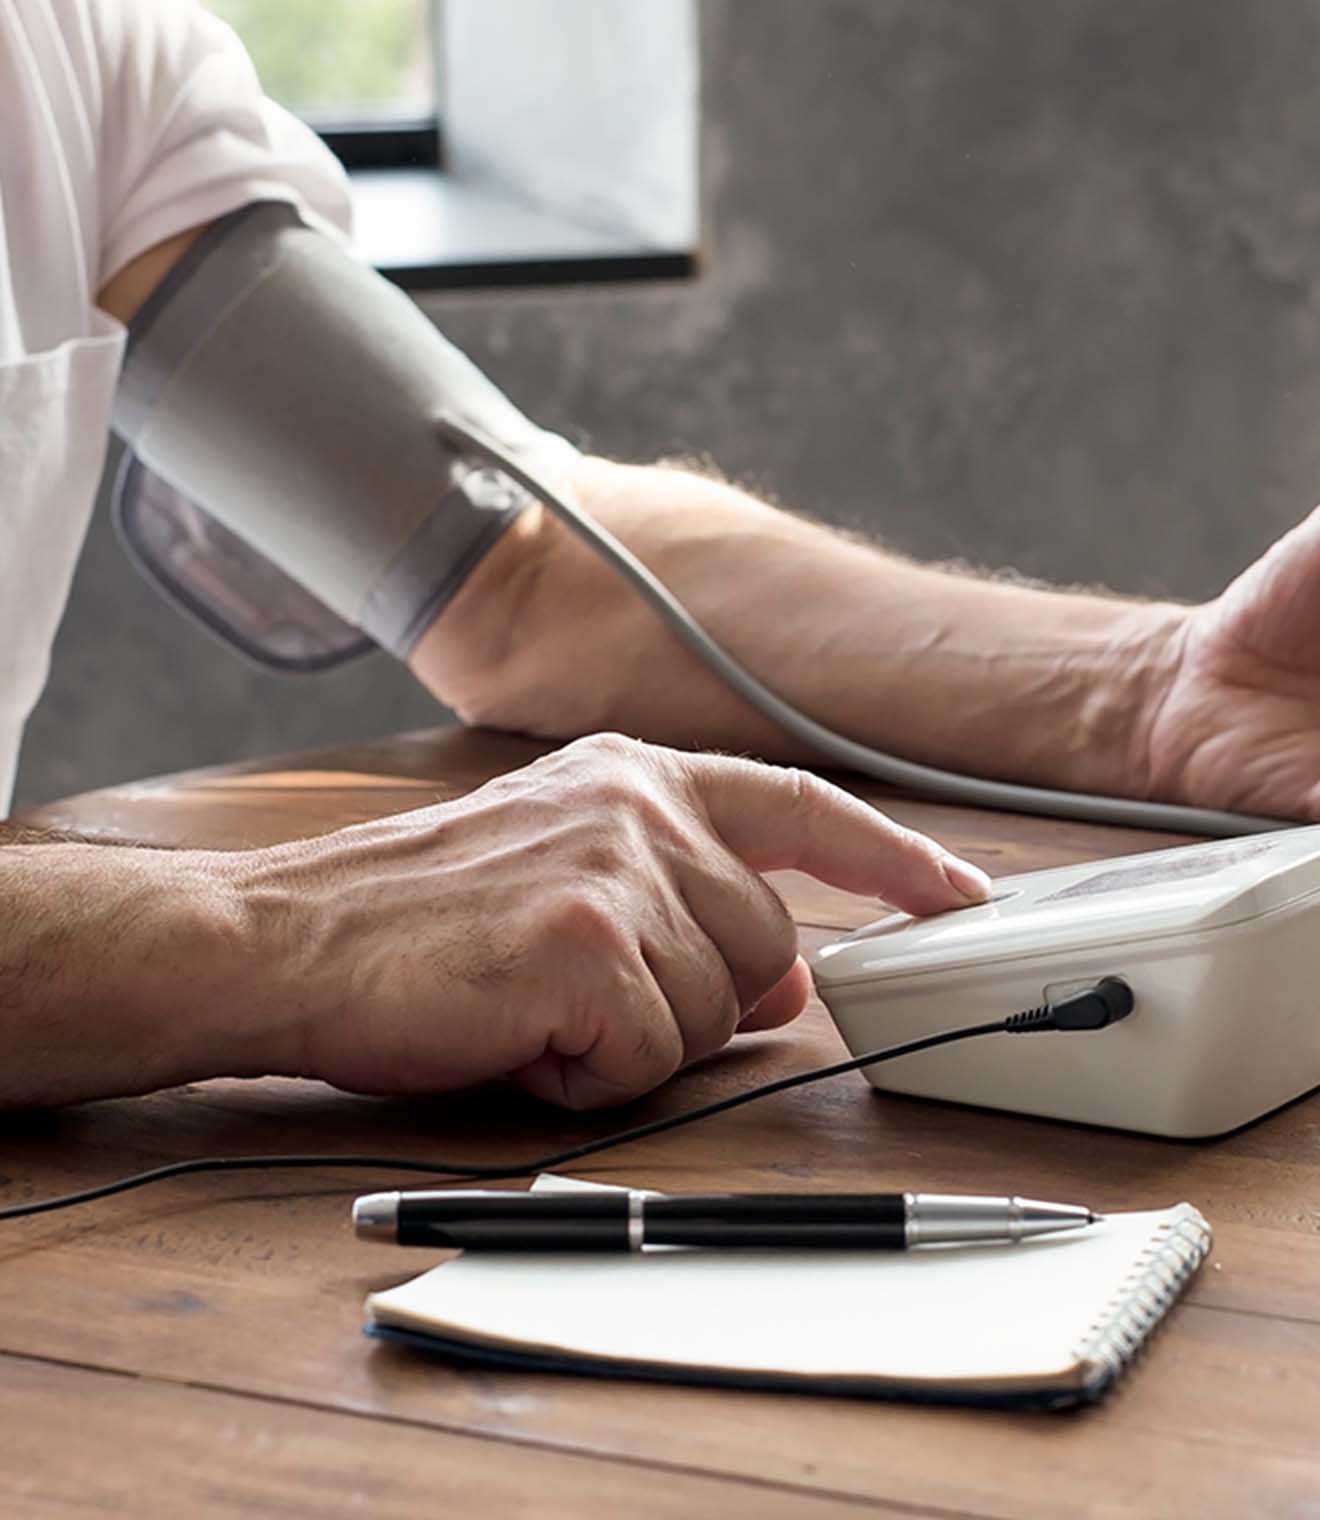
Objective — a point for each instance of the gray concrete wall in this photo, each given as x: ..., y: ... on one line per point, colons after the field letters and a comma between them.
x: 1023, y: 281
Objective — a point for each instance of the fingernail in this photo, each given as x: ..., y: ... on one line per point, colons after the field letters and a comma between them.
x: 966, y: 878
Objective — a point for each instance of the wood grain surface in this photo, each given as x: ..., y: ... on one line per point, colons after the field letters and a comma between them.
x: 195, y: 1348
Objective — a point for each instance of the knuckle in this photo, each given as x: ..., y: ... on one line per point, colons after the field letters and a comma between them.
x: 806, y: 791
x: 608, y: 746
x: 578, y: 919
x: 627, y: 798
x: 657, y: 1048
x: 655, y: 816
x: 600, y: 778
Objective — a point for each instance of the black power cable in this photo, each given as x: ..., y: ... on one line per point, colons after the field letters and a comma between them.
x: 1109, y: 1000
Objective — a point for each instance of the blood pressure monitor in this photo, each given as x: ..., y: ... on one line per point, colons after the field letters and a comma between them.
x: 1219, y: 942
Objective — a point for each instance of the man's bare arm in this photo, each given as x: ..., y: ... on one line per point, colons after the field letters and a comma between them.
x: 1216, y: 705
x: 125, y: 292
x: 996, y: 677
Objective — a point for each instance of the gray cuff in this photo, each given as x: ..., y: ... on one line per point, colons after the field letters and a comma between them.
x: 284, y: 390
x: 428, y: 571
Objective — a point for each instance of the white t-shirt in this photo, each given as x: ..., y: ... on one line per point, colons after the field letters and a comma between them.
x: 122, y: 123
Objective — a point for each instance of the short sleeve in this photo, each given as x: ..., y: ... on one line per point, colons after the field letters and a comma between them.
x: 186, y: 133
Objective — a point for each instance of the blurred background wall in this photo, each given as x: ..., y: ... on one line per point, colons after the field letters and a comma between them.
x: 1027, y: 282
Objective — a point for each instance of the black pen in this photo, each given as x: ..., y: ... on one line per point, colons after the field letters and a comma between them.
x: 627, y: 1220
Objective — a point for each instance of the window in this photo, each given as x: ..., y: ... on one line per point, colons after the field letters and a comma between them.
x: 341, y: 62
x: 569, y: 129
x: 362, y: 72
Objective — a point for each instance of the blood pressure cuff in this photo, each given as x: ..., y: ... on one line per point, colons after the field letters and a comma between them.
x: 287, y: 479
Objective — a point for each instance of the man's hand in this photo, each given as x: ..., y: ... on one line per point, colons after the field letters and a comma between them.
x: 588, y: 924
x: 1236, y: 721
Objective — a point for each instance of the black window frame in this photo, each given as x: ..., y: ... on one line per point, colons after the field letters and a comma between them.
x: 395, y: 167
x: 403, y: 143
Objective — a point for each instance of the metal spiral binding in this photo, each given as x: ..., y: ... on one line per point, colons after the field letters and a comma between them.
x: 1157, y: 1278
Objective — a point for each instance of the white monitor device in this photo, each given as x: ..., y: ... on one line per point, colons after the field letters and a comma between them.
x: 1219, y: 942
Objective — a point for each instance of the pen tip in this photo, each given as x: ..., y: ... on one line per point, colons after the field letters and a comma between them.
x: 1093, y: 1218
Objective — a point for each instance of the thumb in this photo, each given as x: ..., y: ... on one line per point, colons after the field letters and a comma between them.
x: 782, y: 1004
x: 775, y: 818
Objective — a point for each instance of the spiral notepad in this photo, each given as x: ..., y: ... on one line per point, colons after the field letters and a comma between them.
x: 1046, y: 1323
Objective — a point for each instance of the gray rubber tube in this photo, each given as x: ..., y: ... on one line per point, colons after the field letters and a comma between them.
x: 946, y: 786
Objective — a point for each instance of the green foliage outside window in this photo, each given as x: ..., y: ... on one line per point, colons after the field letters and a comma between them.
x: 340, y: 59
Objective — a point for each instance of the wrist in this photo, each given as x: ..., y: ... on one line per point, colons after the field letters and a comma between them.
x: 465, y: 657
x: 115, y: 972
x: 183, y: 975
x: 1121, y: 715
x: 272, y: 936
x: 181, y: 979
x: 539, y: 635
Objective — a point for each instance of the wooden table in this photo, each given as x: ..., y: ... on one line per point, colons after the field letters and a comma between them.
x: 194, y: 1349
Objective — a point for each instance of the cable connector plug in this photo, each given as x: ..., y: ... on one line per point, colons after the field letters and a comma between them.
x: 1096, y: 1008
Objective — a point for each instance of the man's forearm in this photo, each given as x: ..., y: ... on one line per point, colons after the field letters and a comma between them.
x: 987, y: 676
x: 112, y: 973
